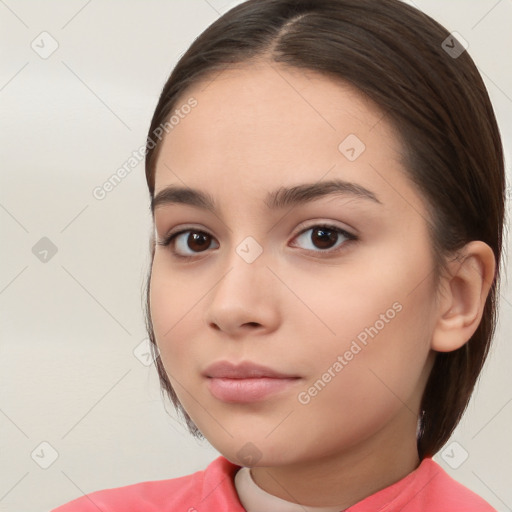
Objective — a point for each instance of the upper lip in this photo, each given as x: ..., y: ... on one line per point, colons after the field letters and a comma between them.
x: 244, y: 370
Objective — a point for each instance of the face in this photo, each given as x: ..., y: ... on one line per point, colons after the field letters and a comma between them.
x: 294, y: 326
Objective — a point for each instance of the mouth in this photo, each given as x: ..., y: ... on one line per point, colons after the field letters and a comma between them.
x: 246, y: 382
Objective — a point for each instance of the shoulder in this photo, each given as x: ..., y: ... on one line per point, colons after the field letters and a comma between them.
x: 186, y: 493
x: 435, y: 489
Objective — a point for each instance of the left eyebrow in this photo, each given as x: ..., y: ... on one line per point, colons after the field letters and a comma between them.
x: 281, y: 198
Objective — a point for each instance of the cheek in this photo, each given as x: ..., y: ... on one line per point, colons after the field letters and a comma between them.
x: 374, y: 338
x: 359, y: 387
x: 173, y: 299
x: 345, y: 304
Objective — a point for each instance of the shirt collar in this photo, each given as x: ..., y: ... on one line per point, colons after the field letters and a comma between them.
x: 255, y: 499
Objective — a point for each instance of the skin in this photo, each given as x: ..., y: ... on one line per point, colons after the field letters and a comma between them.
x: 296, y: 308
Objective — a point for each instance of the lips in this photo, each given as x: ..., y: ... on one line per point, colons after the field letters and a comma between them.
x: 246, y: 382
x: 246, y: 370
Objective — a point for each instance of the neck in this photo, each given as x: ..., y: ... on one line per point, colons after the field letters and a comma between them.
x: 344, y: 479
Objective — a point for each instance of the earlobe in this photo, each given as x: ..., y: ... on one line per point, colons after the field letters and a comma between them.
x: 463, y: 293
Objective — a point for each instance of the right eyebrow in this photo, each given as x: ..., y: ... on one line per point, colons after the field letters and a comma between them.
x: 278, y: 199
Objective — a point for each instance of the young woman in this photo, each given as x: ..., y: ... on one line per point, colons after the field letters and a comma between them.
x: 327, y: 185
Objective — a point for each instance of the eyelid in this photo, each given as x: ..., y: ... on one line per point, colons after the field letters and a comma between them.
x: 331, y: 252
x: 166, y: 239
x: 302, y: 228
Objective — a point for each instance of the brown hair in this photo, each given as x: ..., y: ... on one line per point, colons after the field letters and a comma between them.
x: 438, y: 103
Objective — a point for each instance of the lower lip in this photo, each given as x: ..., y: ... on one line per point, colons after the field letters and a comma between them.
x: 247, y: 390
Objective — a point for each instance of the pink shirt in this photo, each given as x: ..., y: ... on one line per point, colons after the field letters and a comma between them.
x: 428, y: 488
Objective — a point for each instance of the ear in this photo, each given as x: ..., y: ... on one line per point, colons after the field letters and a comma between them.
x: 462, y: 295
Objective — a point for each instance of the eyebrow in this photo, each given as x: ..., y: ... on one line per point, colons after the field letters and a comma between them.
x: 281, y: 198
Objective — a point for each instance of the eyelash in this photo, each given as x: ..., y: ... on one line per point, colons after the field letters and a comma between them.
x: 167, y: 241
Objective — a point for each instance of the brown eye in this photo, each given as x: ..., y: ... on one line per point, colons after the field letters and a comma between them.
x: 323, y: 238
x: 198, y: 241
x: 188, y: 242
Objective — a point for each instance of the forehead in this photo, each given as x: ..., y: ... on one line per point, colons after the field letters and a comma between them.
x: 261, y: 124
x: 264, y: 98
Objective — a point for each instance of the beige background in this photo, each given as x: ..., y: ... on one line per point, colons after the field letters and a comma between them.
x: 69, y: 377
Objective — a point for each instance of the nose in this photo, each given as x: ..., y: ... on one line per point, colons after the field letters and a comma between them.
x: 245, y: 299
